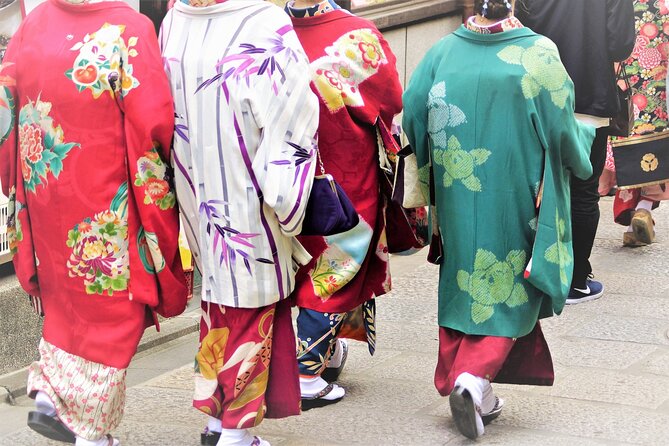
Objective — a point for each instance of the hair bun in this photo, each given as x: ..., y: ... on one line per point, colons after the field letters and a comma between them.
x: 492, y: 9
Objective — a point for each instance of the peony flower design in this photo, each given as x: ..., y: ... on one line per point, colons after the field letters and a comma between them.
x: 459, y: 164
x: 544, y: 70
x: 42, y: 149
x: 153, y: 174
x: 558, y: 253
x: 493, y: 282
x: 441, y: 115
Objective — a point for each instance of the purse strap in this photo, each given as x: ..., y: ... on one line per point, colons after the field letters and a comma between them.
x: 621, y: 75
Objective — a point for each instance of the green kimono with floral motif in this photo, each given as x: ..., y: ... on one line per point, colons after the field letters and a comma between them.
x: 493, y: 115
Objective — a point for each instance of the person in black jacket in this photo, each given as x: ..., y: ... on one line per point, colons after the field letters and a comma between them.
x: 591, y: 35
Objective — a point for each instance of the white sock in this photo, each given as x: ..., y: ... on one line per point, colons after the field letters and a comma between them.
x: 214, y: 425
x: 104, y: 441
x: 488, y: 400
x: 312, y: 386
x: 338, y: 355
x: 44, y: 404
x: 235, y: 437
x: 645, y: 204
x: 630, y: 229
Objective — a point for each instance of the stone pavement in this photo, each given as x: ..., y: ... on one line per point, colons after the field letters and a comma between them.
x: 611, y: 359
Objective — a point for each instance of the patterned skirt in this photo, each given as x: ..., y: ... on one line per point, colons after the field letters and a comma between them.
x: 245, y: 369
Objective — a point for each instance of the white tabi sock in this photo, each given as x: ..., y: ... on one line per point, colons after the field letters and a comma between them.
x: 235, y: 437
x: 630, y: 229
x: 338, y: 355
x: 44, y: 405
x: 214, y: 425
x: 104, y: 441
x: 645, y: 204
x: 310, y: 387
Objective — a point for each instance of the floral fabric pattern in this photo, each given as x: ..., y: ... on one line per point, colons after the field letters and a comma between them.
x: 103, y: 63
x: 459, y: 164
x: 493, y: 282
x: 559, y: 253
x: 41, y: 144
x: 89, y: 397
x: 100, y: 248
x: 441, y: 114
x: 544, y: 70
x: 14, y: 231
x: 155, y: 176
x: 647, y: 67
x: 337, y: 79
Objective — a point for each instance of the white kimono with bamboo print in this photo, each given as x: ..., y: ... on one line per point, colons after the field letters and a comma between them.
x: 244, y: 149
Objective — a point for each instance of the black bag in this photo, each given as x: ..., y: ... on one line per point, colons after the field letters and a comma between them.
x: 329, y: 210
x: 623, y: 122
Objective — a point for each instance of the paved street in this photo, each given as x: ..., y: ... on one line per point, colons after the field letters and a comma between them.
x: 611, y: 358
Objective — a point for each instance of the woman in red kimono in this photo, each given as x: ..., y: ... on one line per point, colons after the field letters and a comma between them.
x: 355, y: 79
x: 93, y: 224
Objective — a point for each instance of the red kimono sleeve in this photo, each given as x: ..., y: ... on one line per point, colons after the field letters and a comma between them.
x: 149, y: 125
x: 19, y: 230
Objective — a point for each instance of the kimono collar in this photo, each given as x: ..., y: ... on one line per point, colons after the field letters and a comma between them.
x: 317, y: 9
x: 211, y: 7
x: 497, y: 27
x: 201, y: 3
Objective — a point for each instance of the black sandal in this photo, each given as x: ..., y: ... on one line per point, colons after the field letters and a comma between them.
x: 464, y: 412
x: 50, y: 427
x: 209, y: 438
x: 317, y: 400
x: 494, y: 413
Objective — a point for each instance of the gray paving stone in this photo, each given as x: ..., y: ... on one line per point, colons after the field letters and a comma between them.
x: 609, y: 386
x: 629, y: 329
x: 614, y: 423
x: 656, y: 363
x: 597, y: 353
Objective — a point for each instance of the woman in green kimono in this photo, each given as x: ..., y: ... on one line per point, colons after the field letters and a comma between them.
x: 489, y: 112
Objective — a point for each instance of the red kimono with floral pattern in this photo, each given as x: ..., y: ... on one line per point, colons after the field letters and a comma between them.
x: 355, y: 79
x: 86, y: 122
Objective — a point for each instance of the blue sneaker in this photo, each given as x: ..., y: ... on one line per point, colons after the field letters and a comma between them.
x: 593, y: 290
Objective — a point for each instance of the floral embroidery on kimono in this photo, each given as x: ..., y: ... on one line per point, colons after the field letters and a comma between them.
x: 493, y: 282
x: 341, y: 260
x: 559, y: 253
x: 42, y: 147
x: 100, y: 248
x: 440, y: 113
x: 337, y: 79
x: 544, y: 69
x: 103, y: 62
x: 14, y: 231
x: 222, y: 358
x: 459, y: 164
x: 153, y: 174
x: 149, y: 251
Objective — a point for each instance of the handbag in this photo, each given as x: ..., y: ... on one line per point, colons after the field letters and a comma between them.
x: 623, y: 122
x: 406, y: 228
x: 329, y: 211
x: 406, y: 186
x: 641, y: 160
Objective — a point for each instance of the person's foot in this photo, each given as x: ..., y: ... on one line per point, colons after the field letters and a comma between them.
x: 643, y: 226
x: 234, y: 437
x: 465, y: 401
x: 316, y: 392
x: 593, y: 290
x: 630, y: 240
x: 337, y: 362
